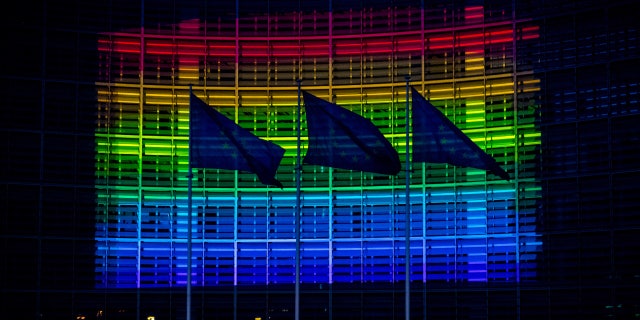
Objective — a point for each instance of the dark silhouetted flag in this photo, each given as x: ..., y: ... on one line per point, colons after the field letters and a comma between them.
x: 437, y: 140
x: 217, y: 142
x: 342, y: 139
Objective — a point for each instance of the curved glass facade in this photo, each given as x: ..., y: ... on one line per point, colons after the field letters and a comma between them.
x: 466, y: 225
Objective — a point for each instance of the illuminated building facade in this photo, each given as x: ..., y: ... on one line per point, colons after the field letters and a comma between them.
x: 544, y: 91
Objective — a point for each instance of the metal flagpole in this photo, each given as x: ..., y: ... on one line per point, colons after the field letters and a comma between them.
x: 189, y: 218
x: 297, y: 217
x: 407, y: 228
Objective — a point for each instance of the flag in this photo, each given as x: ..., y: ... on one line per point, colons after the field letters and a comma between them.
x: 342, y: 139
x: 437, y: 140
x: 217, y: 142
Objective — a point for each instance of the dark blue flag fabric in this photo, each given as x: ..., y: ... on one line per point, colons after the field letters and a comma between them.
x: 437, y: 140
x: 218, y: 142
x: 342, y: 139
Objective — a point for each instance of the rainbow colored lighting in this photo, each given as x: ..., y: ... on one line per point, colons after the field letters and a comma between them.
x: 466, y: 225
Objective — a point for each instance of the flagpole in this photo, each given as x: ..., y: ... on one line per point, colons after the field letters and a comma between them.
x: 407, y: 228
x: 297, y: 217
x: 189, y: 218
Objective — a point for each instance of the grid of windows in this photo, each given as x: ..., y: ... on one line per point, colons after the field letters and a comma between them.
x: 466, y: 225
